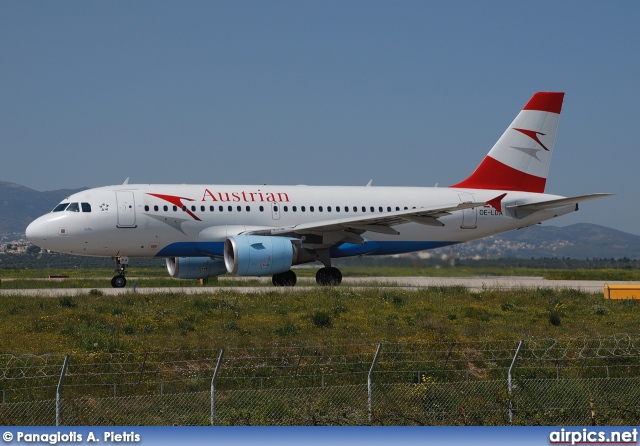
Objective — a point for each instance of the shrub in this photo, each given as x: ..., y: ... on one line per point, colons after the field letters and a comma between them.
x: 286, y: 330
x: 231, y: 325
x: 321, y: 319
x: 67, y: 302
x: 555, y: 319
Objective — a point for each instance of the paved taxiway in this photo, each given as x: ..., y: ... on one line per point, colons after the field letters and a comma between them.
x: 305, y: 283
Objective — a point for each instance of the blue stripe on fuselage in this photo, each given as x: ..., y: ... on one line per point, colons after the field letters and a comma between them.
x: 386, y: 248
x: 192, y: 249
x: 206, y: 249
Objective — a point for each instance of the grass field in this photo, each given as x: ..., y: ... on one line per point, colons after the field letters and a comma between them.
x: 314, y: 316
x: 110, y: 339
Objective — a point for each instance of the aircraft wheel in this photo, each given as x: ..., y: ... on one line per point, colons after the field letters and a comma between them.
x: 328, y: 276
x: 118, y: 282
x: 288, y: 278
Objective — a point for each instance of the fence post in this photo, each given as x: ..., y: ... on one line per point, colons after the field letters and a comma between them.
x: 213, y: 384
x: 369, y: 385
x: 59, y: 389
x: 513, y: 363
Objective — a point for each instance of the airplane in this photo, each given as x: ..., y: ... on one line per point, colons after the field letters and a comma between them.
x: 247, y: 230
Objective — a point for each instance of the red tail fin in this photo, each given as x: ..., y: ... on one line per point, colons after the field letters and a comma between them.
x: 520, y: 160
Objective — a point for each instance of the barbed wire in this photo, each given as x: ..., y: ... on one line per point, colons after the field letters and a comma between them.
x: 274, y: 361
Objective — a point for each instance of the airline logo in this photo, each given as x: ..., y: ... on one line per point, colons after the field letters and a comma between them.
x: 256, y: 196
x: 533, y: 135
x: 177, y: 201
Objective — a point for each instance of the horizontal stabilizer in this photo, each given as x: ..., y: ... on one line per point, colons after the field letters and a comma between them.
x: 552, y: 204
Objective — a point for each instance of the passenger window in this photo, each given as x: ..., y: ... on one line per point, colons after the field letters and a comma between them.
x: 261, y: 208
x: 193, y: 208
x: 310, y: 208
x: 166, y: 208
x: 73, y: 207
x: 328, y: 208
x: 201, y: 208
x: 295, y: 209
x: 239, y: 208
x: 146, y: 208
x: 346, y: 208
x: 230, y: 208
x: 397, y: 208
x: 372, y: 209
x: 184, y: 209
x: 175, y: 208
x: 286, y: 208
x: 86, y: 207
x: 319, y: 208
x: 220, y: 208
x: 388, y: 208
x: 211, y: 208
x: 61, y: 207
x: 155, y: 208
x: 248, y: 208
x: 380, y: 208
x: 364, y: 209
x: 337, y: 208
x: 302, y: 208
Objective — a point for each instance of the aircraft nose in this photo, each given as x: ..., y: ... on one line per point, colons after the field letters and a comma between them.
x: 37, y: 233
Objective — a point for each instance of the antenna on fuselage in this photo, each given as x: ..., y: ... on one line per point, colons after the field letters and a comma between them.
x: 370, y: 182
x: 126, y: 181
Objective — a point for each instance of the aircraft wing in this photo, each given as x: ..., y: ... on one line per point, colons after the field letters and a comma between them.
x: 350, y: 228
x: 552, y: 204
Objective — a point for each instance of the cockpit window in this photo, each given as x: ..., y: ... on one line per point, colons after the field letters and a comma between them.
x: 61, y: 207
x: 73, y: 207
x: 86, y: 207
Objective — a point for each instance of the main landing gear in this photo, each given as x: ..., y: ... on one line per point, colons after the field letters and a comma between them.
x: 119, y: 281
x: 287, y: 278
x: 327, y: 276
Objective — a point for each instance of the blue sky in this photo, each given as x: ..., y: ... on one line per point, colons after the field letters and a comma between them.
x: 407, y: 93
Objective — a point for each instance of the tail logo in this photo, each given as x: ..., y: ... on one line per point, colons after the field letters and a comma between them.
x: 533, y: 135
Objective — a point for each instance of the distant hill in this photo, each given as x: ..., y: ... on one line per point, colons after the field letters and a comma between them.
x: 20, y: 205
x: 578, y: 241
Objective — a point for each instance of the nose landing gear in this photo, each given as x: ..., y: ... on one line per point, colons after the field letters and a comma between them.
x: 119, y: 281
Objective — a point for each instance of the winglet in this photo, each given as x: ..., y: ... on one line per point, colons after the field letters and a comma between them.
x: 497, y: 202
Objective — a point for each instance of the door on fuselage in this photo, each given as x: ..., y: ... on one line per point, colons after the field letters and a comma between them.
x: 126, y: 209
x: 469, y: 216
x: 275, y: 211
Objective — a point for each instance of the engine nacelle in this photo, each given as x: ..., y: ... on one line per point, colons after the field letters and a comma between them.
x: 257, y: 255
x: 195, y: 267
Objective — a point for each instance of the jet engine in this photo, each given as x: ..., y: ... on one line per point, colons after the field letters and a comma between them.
x: 195, y: 267
x: 257, y: 255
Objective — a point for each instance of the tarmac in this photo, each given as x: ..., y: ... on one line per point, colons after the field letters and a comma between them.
x: 475, y: 284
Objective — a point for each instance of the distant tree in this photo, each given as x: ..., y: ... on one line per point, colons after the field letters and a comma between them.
x: 33, y: 250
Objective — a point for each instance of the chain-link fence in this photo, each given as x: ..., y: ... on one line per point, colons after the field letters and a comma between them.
x: 577, y: 381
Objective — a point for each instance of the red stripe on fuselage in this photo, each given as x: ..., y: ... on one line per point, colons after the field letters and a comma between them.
x: 492, y: 174
x: 545, y: 101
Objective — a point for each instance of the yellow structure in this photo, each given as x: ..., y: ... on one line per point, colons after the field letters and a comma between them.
x: 621, y: 291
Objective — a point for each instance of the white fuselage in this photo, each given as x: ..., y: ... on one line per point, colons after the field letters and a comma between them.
x: 194, y: 220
